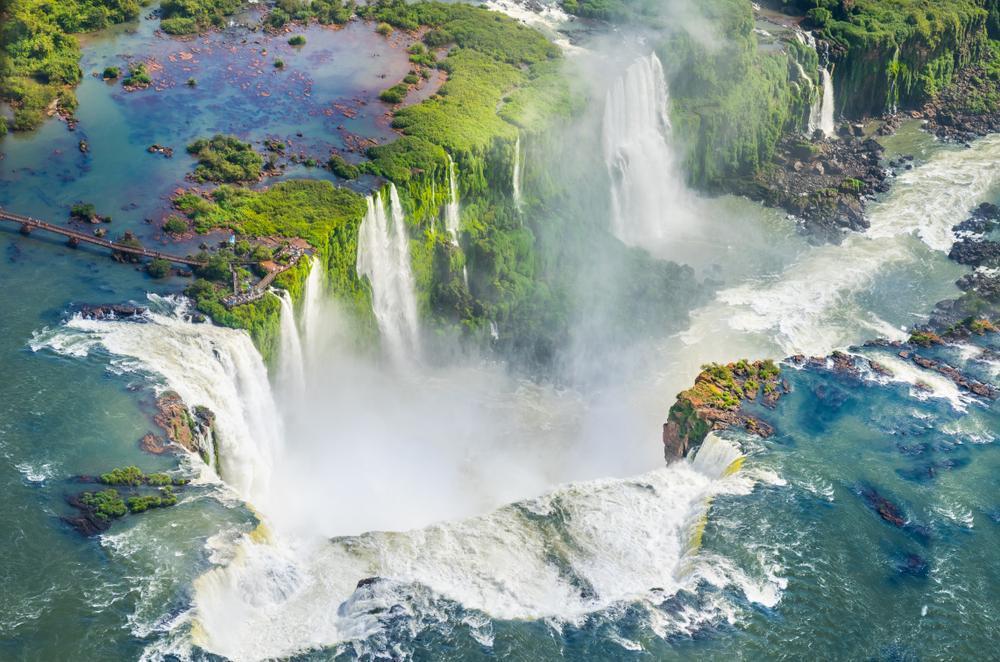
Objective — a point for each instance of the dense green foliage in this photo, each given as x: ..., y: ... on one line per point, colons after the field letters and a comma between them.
x: 158, y: 268
x: 324, y: 11
x: 133, y: 476
x: 731, y: 100
x: 326, y: 216
x: 175, y: 225
x: 39, y: 56
x: 340, y: 167
x: 189, y: 16
x: 107, y: 504
x: 138, y: 76
x: 225, y: 159
x: 297, y: 40
x: 892, y: 53
x: 492, y: 56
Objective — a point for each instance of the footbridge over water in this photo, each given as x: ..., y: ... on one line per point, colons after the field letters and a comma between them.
x: 29, y: 225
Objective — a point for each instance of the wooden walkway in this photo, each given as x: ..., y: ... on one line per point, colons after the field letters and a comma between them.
x: 29, y: 225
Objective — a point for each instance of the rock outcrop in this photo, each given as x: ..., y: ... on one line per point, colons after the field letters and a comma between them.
x: 823, y: 183
x: 716, y: 402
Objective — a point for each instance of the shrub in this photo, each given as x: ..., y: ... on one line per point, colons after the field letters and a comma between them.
x: 138, y: 76
x: 131, y: 475
x: 175, y: 225
x: 342, y: 168
x: 411, y: 79
x: 384, y: 29
x: 107, y: 504
x: 279, y: 64
x: 225, y: 159
x: 83, y: 211
x: 158, y: 268
x: 394, y: 94
x: 191, y: 82
x: 297, y: 40
x: 111, y: 73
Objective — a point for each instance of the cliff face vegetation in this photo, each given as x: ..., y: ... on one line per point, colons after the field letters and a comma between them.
x: 899, y: 53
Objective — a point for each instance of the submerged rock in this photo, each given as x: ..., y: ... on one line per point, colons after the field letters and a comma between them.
x: 113, y: 312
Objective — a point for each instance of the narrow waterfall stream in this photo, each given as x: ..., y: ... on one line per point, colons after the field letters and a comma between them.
x: 452, y: 211
x: 384, y: 258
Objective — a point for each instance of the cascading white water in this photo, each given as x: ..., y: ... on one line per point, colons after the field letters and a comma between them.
x: 452, y: 211
x: 826, y: 122
x: 206, y: 365
x: 291, y: 360
x: 312, y: 298
x: 814, y: 305
x: 648, y: 197
x: 624, y: 539
x: 384, y: 258
x: 715, y: 456
x: 517, y: 173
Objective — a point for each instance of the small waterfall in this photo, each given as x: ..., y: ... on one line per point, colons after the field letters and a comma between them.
x: 452, y: 212
x: 384, y: 258
x: 517, y: 174
x: 826, y: 123
x: 291, y: 361
x: 716, y: 457
x: 311, y: 304
x: 647, y: 190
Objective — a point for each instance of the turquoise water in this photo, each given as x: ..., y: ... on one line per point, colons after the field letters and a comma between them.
x: 793, y: 562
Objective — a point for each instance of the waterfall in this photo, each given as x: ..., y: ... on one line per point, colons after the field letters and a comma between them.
x: 384, y: 258
x: 647, y: 190
x: 716, y: 457
x: 311, y: 303
x: 291, y: 362
x: 826, y: 122
x: 452, y: 218
x: 206, y: 365
x: 517, y: 174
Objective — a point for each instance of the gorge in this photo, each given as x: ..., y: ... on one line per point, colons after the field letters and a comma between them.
x: 524, y: 243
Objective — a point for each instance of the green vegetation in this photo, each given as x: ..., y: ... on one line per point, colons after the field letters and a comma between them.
x: 893, y: 53
x: 138, y: 76
x: 925, y: 338
x: 132, y: 476
x: 158, y: 268
x: 180, y: 17
x: 142, y: 503
x: 342, y: 168
x: 279, y: 64
x: 192, y: 82
x: 326, y: 216
x: 323, y: 11
x: 732, y: 102
x: 39, y: 56
x: 383, y: 29
x: 106, y: 504
x: 618, y: 11
x: 394, y: 94
x: 225, y: 159
x: 111, y: 73
x: 175, y: 225
x: 83, y: 211
x: 297, y: 40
